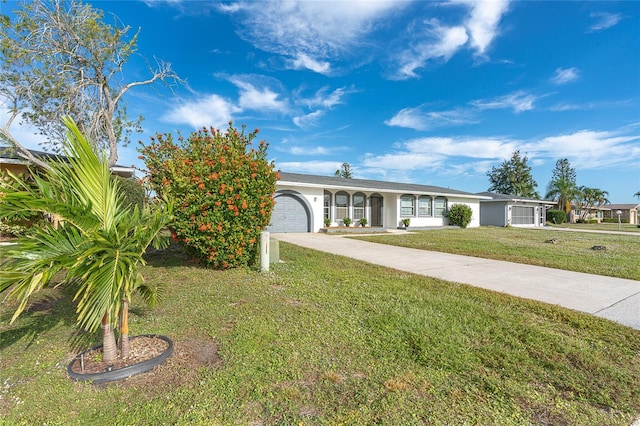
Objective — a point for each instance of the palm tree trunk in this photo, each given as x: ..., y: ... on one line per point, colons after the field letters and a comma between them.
x: 109, y: 348
x: 124, y: 329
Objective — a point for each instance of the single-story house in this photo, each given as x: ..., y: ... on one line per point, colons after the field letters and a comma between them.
x: 11, y: 161
x: 594, y: 213
x: 303, y: 202
x: 510, y: 210
x: 629, y: 212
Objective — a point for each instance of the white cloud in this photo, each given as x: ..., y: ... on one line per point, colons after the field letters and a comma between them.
x: 305, y: 150
x: 211, y: 110
x: 519, y: 101
x: 483, y: 22
x: 441, y: 42
x: 303, y: 61
x: 326, y: 168
x: 590, y: 149
x: 308, y: 120
x: 604, y: 20
x: 565, y: 75
x: 463, y: 147
x: 404, y: 161
x: 418, y: 119
x: 257, y: 99
x: 309, y: 32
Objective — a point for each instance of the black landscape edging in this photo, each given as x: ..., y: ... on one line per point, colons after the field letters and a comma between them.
x: 121, y: 373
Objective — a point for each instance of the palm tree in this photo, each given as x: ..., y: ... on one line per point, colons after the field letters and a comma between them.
x: 590, y: 198
x: 637, y: 194
x: 97, y: 244
x: 563, y: 191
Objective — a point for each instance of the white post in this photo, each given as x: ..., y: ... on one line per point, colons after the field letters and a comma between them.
x: 264, y: 251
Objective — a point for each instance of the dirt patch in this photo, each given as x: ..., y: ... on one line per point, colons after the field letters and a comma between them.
x: 186, y: 362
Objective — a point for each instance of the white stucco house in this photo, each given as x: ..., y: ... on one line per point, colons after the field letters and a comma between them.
x: 302, y: 202
x: 509, y: 210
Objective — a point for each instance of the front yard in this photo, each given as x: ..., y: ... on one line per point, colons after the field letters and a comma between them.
x: 322, y: 339
x: 572, y: 251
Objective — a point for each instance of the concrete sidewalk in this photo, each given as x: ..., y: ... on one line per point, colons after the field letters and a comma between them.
x: 612, y: 298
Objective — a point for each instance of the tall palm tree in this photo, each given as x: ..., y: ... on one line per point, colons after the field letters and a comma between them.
x: 564, y: 191
x: 98, y: 242
x: 637, y: 194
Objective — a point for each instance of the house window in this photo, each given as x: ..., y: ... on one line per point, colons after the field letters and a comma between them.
x: 327, y: 205
x: 358, y: 205
x: 407, y: 206
x: 342, y: 205
x: 440, y: 206
x: 522, y: 215
x: 424, y: 206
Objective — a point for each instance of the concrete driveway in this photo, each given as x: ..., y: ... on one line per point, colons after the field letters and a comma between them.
x: 612, y: 298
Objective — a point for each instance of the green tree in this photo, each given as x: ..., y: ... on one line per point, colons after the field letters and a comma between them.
x: 562, y: 187
x: 590, y: 198
x: 60, y: 59
x: 344, y: 171
x: 98, y: 243
x: 513, y: 177
x: 223, y: 191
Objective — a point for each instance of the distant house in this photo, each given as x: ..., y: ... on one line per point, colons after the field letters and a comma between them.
x: 509, y: 210
x: 596, y: 213
x: 629, y: 212
x: 11, y: 161
x: 303, y: 202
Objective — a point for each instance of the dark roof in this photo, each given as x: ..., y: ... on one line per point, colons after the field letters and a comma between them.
x: 508, y: 197
x: 11, y: 154
x: 622, y: 206
x: 371, y: 185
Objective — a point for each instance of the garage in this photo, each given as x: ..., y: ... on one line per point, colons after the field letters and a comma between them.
x: 290, y: 214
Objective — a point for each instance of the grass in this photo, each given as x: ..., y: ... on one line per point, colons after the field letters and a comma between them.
x: 624, y: 227
x: 323, y: 339
x: 573, y: 250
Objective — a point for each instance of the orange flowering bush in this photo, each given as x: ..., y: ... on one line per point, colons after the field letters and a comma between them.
x: 222, y: 189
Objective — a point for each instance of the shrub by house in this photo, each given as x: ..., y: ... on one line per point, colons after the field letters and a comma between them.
x: 223, y: 191
x: 460, y: 215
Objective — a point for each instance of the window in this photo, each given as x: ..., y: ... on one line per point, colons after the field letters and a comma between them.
x: 521, y: 215
x: 424, y: 206
x: 358, y: 205
x: 407, y: 206
x: 327, y: 205
x: 440, y: 206
x: 342, y: 205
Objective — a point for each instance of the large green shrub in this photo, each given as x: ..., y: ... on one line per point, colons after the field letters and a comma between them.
x: 132, y: 191
x: 459, y: 215
x: 223, y: 191
x: 556, y: 216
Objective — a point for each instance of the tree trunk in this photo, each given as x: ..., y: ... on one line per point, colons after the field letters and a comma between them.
x: 124, y: 329
x: 109, y: 348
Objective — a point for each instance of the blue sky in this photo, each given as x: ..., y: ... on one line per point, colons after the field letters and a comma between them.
x: 426, y: 92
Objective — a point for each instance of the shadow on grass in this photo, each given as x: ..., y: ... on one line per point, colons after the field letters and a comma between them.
x: 41, y: 315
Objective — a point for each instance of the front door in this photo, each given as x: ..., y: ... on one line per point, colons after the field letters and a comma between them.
x: 376, y: 210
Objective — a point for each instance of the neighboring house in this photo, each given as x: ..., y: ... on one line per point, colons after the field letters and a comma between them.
x: 593, y: 213
x: 629, y: 212
x: 304, y: 201
x: 510, y: 210
x: 10, y: 161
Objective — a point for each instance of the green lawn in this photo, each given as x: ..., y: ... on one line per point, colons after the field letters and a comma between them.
x: 572, y: 251
x: 624, y: 227
x: 322, y: 339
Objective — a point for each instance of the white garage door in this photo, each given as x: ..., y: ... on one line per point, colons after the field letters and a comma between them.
x: 289, y: 215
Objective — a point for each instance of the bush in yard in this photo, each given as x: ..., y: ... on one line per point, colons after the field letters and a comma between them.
x: 460, y: 215
x: 132, y: 191
x: 223, y: 191
x: 556, y: 216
